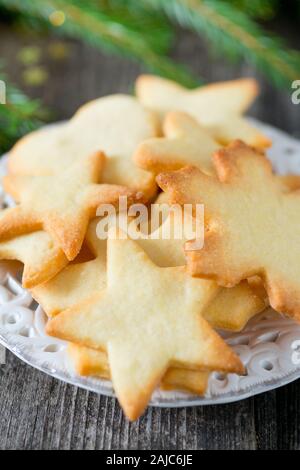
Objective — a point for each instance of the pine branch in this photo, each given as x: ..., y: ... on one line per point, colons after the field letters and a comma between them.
x: 232, y: 32
x: 18, y: 116
x: 261, y: 9
x: 106, y: 29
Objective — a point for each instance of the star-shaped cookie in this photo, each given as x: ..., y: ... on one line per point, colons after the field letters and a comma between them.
x: 230, y: 309
x: 61, y: 204
x: 218, y: 106
x: 41, y: 256
x: 253, y: 224
x: 185, y: 143
x: 78, y: 281
x: 114, y: 124
x: 147, y: 319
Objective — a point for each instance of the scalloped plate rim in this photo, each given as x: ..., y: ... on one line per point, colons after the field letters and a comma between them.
x: 229, y: 397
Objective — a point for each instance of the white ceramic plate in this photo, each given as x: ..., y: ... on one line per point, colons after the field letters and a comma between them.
x: 268, y: 346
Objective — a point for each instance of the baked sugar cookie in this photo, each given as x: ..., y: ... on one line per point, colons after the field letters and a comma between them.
x: 60, y: 204
x: 185, y: 142
x: 41, y: 256
x: 253, y: 224
x: 218, y: 106
x: 142, y: 303
x: 114, y: 124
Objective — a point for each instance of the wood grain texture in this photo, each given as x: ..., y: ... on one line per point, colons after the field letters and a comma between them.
x: 38, y: 412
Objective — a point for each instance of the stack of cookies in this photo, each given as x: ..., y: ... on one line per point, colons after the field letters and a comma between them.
x: 143, y: 311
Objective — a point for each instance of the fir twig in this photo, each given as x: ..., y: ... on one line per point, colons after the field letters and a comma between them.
x: 18, y: 116
x: 261, y: 9
x: 106, y: 29
x: 234, y: 33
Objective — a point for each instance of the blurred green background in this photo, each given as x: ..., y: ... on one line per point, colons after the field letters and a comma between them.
x: 39, y: 42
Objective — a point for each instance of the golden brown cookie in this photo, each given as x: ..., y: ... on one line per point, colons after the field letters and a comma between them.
x: 41, y: 256
x: 185, y: 142
x: 115, y: 125
x: 142, y: 303
x: 217, y: 106
x: 253, y: 226
x: 60, y: 204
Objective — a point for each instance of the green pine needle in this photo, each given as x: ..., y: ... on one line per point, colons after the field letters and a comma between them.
x: 261, y: 9
x: 18, y: 116
x: 142, y: 30
x: 114, y: 30
x: 232, y: 32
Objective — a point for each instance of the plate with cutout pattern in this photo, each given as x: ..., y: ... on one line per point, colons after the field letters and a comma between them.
x: 269, y: 346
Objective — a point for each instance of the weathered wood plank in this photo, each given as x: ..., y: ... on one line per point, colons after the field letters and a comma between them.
x: 288, y: 416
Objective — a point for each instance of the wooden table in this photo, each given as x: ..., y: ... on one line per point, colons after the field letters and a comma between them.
x: 38, y: 412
